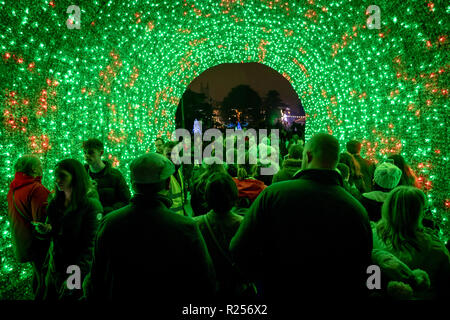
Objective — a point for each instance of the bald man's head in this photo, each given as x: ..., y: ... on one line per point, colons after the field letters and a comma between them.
x: 321, y: 152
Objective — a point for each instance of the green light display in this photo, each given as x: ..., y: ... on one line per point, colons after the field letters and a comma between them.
x: 120, y: 75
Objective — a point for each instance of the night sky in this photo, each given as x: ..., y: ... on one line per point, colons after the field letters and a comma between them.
x: 222, y: 78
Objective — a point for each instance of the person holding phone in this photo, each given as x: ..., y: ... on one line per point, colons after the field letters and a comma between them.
x: 72, y: 223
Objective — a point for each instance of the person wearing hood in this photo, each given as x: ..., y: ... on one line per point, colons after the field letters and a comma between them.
x: 27, y: 202
x: 111, y: 186
x: 386, y: 177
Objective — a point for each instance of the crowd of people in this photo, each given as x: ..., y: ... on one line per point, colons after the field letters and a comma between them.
x: 224, y: 231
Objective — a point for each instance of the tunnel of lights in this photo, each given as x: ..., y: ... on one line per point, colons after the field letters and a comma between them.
x: 120, y: 75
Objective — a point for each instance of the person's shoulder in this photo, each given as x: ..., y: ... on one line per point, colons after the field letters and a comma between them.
x: 118, y: 215
x: 180, y: 219
x: 198, y: 219
x: 38, y: 187
x: 92, y: 201
x: 433, y: 243
x: 351, y: 202
x: 114, y: 172
x: 287, y: 184
x: 236, y: 217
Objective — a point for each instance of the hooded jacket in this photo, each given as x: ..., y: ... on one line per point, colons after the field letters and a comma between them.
x: 31, y: 199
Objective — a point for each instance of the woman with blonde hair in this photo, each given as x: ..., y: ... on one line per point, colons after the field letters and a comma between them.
x: 400, y: 232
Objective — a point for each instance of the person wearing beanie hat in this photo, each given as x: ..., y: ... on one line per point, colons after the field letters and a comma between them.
x: 385, y: 178
x: 145, y: 250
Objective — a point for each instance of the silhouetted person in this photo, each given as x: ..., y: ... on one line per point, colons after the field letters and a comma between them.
x: 291, y: 165
x: 198, y: 186
x: 355, y: 177
x: 71, y: 224
x: 400, y: 232
x: 386, y: 178
x: 344, y: 170
x: 248, y: 186
x: 27, y: 204
x: 111, y: 186
x: 177, y: 187
x: 144, y: 251
x: 307, y: 237
x: 218, y: 227
x: 366, y: 167
x: 159, y: 145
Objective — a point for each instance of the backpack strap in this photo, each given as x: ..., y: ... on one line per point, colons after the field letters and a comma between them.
x: 20, y: 212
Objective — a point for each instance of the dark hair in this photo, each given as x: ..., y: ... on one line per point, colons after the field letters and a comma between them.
x: 344, y: 170
x: 221, y: 193
x: 81, y: 183
x: 26, y: 164
x: 93, y: 143
x: 295, y: 151
x: 402, y: 214
x: 408, y: 178
x: 354, y: 147
x: 232, y: 169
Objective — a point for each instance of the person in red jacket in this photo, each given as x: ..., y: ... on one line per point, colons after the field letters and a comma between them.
x: 248, y: 187
x: 27, y: 202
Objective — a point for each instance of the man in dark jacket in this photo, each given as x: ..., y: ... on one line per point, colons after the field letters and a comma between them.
x: 307, y: 237
x: 291, y: 165
x: 111, y: 186
x: 27, y: 202
x: 145, y: 251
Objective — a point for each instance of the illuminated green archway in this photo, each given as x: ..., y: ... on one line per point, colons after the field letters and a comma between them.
x: 121, y: 74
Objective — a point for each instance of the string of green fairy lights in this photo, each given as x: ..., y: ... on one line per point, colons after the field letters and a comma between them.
x: 120, y: 76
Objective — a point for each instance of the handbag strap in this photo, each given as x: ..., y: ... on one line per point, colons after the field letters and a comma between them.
x: 18, y: 210
x: 227, y: 257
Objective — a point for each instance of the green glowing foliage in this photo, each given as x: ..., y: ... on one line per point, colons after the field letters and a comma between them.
x: 120, y: 76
